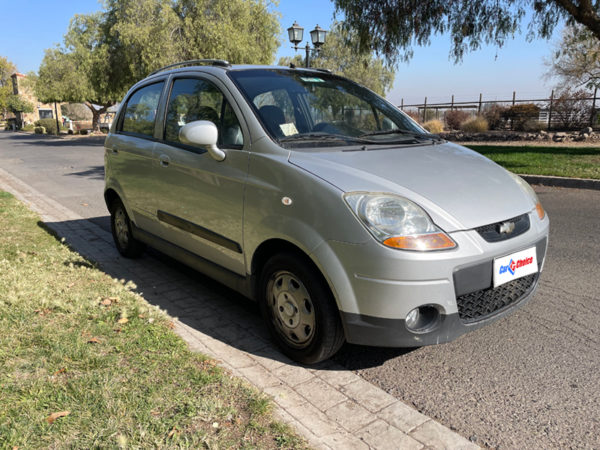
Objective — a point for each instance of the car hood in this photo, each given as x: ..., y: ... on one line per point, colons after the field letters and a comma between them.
x: 458, y: 187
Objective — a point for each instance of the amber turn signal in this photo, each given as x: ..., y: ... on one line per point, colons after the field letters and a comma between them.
x: 433, y: 241
x: 540, y: 210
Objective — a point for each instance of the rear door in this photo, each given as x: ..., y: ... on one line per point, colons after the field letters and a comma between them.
x: 199, y: 201
x: 130, y: 152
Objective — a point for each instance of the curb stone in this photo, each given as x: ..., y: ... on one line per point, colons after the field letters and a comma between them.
x: 328, y: 405
x: 576, y: 183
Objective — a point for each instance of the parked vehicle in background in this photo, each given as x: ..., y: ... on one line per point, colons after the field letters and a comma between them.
x: 340, y: 215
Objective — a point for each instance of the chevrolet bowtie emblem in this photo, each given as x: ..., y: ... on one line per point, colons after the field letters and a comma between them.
x: 507, y: 227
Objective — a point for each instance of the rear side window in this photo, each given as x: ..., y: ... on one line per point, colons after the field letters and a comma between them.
x: 195, y: 99
x: 140, y: 111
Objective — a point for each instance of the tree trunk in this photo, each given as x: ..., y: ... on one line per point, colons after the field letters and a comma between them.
x: 96, y: 113
x: 57, y: 122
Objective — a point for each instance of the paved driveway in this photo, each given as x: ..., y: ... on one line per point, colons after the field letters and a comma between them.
x: 528, y: 381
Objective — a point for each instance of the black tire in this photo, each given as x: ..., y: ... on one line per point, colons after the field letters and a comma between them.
x: 120, y: 226
x: 299, y: 309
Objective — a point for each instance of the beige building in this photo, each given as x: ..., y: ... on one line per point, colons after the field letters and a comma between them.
x: 40, y: 110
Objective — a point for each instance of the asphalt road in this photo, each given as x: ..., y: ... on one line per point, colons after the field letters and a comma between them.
x: 528, y: 381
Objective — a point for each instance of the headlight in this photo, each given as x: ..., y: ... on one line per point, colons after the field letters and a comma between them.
x: 529, y: 190
x: 398, y: 222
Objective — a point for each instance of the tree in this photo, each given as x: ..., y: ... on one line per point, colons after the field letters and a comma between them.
x: 17, y: 105
x: 6, y: 70
x: 388, y: 26
x: 107, y: 52
x: 80, y: 71
x: 576, y: 61
x: 339, y: 54
x: 571, y: 109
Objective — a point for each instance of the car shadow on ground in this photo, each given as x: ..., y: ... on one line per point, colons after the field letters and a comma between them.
x: 196, y: 300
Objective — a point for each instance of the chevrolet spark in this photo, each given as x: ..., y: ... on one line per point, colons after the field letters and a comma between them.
x: 312, y: 195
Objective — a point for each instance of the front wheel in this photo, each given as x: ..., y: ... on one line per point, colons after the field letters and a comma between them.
x: 299, y: 310
x: 120, y: 226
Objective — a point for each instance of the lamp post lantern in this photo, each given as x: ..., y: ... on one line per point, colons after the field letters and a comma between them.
x: 317, y: 36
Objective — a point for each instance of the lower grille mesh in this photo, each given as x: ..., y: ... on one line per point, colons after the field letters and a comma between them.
x: 480, y: 304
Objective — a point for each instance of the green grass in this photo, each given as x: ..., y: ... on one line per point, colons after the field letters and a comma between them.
x: 579, y: 162
x: 65, y: 346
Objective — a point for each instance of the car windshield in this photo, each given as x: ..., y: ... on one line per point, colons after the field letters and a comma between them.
x: 315, y: 109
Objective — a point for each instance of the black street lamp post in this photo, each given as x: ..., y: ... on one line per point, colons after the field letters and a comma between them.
x: 317, y: 36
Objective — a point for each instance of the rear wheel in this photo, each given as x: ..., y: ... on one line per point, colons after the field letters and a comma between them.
x: 299, y: 309
x: 120, y: 226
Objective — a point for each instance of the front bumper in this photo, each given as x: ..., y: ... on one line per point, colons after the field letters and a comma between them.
x: 376, y: 331
x: 376, y: 287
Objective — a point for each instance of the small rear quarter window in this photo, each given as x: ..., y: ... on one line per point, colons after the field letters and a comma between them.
x: 140, y: 110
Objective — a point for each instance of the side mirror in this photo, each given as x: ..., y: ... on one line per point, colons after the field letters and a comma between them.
x: 203, y: 133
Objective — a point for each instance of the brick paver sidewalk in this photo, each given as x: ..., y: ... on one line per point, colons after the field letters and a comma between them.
x: 328, y: 404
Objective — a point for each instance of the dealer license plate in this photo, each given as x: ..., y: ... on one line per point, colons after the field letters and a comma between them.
x: 514, y: 266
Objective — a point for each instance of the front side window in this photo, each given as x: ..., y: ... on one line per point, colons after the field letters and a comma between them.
x: 195, y: 99
x: 140, y: 111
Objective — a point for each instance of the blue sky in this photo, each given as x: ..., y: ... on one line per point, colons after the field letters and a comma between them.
x: 30, y: 26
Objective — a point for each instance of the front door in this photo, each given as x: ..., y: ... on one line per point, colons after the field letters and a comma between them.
x: 199, y: 201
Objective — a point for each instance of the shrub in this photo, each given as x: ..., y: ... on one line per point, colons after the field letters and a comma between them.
x: 49, y: 125
x: 571, y: 110
x: 430, y: 114
x: 83, y: 132
x: 520, y: 114
x: 414, y: 115
x: 434, y: 126
x: 39, y: 130
x: 28, y: 127
x: 475, y: 125
x: 494, y: 115
x: 455, y: 118
x: 534, y: 125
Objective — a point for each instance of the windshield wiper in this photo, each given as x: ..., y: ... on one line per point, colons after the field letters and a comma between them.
x: 325, y: 136
x: 433, y: 137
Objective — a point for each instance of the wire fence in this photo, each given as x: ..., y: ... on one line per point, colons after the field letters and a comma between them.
x: 566, y: 111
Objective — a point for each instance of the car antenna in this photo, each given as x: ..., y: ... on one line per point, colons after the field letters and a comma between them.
x: 292, y: 66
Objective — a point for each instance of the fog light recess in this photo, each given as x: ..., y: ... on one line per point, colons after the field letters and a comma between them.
x: 422, y: 319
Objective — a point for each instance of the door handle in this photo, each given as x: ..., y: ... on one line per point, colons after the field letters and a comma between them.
x: 164, y: 160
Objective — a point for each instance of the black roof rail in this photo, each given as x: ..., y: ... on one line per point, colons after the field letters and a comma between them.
x: 322, y: 70
x: 194, y: 62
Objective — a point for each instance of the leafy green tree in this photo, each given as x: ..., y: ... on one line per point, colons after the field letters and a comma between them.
x: 576, y: 61
x: 107, y: 52
x: 391, y: 27
x: 340, y: 55
x: 79, y: 71
x: 6, y: 70
x: 18, y: 105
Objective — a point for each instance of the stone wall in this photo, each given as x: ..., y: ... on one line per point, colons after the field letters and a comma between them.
x: 587, y: 134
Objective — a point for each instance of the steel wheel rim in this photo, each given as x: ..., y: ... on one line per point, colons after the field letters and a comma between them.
x: 292, y: 309
x: 121, y: 228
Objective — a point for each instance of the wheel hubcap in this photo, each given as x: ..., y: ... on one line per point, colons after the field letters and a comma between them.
x: 292, y: 308
x: 121, y: 228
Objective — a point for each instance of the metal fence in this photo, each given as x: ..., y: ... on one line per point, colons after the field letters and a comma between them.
x: 555, y: 112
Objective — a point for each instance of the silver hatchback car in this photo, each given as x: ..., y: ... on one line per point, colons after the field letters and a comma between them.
x: 309, y: 193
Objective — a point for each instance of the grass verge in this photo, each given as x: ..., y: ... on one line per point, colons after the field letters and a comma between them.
x: 579, y: 162
x: 86, y: 362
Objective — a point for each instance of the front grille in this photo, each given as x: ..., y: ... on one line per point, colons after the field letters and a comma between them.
x: 480, y: 304
x: 491, y: 232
